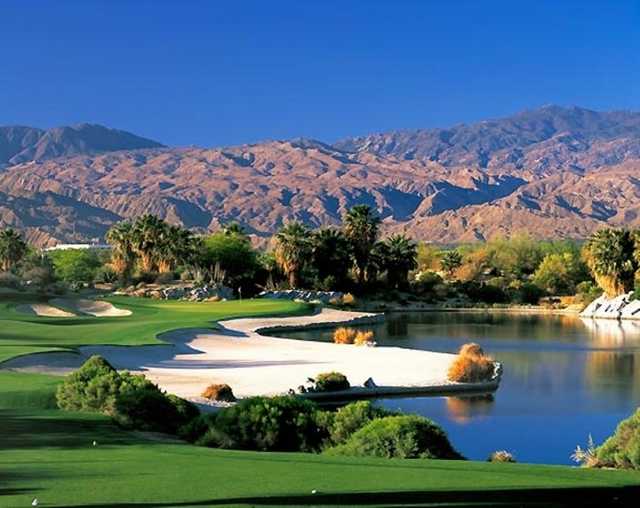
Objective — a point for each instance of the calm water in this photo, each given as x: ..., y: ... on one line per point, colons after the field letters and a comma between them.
x: 564, y: 378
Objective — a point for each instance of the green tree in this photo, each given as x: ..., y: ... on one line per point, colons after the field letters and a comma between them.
x: 123, y: 256
x: 611, y: 257
x: 234, y: 255
x: 76, y: 265
x: 560, y: 273
x: 361, y: 227
x: 331, y: 255
x: 147, y: 237
x: 451, y: 260
x: 12, y: 249
x: 293, y: 249
x: 175, y: 246
x: 400, y: 258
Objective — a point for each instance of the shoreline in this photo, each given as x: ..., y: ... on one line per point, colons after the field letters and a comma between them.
x: 253, y: 364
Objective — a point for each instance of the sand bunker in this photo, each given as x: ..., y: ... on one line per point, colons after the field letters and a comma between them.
x: 57, y: 363
x: 95, y: 308
x: 43, y: 310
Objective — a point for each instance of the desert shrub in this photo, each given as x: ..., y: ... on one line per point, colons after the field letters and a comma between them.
x: 586, y: 457
x: 348, y: 299
x: 39, y: 277
x: 587, y: 292
x: 165, y: 278
x: 426, y: 281
x: 132, y: 401
x: 501, y: 456
x: 622, y: 449
x: 529, y: 293
x: 406, y: 436
x: 219, y: 392
x: 9, y: 280
x: 330, y: 382
x: 266, y: 424
x: 106, y: 274
x: 344, y: 335
x: 194, y: 429
x: 351, y: 418
x: 471, y: 365
x: 364, y: 338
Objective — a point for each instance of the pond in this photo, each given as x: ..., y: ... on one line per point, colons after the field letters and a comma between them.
x: 564, y: 379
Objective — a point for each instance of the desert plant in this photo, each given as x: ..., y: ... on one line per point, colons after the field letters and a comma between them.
x: 451, y: 260
x: 404, y: 436
x: 471, y: 365
x: 266, y: 424
x: 219, y: 392
x: 344, y: 335
x: 400, y: 257
x: 12, y: 249
x: 361, y: 227
x: 293, y: 248
x: 586, y: 457
x: 364, y: 338
x: 501, y: 456
x: 622, y: 449
x: 9, y: 280
x: 330, y: 382
x: 348, y: 299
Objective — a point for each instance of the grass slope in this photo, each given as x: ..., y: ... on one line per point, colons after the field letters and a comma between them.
x: 48, y: 454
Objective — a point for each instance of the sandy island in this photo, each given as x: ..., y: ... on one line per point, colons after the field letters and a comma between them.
x: 254, y: 364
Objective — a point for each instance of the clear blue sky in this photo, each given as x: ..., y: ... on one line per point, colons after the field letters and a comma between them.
x: 225, y: 72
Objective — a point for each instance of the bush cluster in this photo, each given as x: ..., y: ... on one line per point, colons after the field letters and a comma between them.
x: 622, y: 450
x: 345, y: 335
x: 471, y: 365
x: 219, y: 392
x: 132, y: 401
x: 330, y: 382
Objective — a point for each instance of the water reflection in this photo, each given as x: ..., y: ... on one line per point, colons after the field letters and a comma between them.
x: 564, y: 378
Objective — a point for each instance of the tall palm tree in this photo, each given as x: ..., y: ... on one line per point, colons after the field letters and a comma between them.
x: 611, y: 257
x: 123, y: 257
x: 400, y: 257
x: 174, y: 246
x: 361, y: 227
x: 293, y: 247
x: 451, y: 261
x: 147, y: 238
x: 12, y: 249
x: 331, y: 254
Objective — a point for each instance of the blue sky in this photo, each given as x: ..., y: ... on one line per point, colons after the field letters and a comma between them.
x: 225, y: 72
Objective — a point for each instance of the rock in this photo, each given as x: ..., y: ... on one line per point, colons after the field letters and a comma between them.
x: 303, y: 295
x: 620, y: 307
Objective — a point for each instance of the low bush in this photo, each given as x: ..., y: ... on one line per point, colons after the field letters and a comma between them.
x: 471, y: 365
x: 266, y: 424
x: 348, y: 299
x: 219, y: 392
x: 330, y: 382
x: 343, y: 423
x: 132, y: 401
x: 406, y: 437
x: 9, y: 280
x: 501, y: 456
x: 622, y: 449
x: 344, y: 335
x: 165, y: 278
x: 364, y: 338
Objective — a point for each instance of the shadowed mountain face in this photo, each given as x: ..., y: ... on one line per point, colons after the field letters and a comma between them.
x: 554, y: 172
x: 23, y: 144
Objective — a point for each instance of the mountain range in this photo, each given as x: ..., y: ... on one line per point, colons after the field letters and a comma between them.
x: 554, y: 172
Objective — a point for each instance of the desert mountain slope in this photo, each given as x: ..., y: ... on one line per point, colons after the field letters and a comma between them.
x: 554, y: 172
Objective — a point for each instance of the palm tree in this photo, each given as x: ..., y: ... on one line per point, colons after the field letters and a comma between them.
x: 451, y: 261
x: 12, y: 249
x: 293, y: 247
x: 147, y: 237
x: 234, y: 228
x: 611, y: 257
x: 400, y: 257
x: 361, y: 227
x: 175, y: 246
x: 120, y: 237
x: 331, y: 254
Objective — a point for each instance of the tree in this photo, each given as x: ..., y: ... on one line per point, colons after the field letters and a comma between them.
x: 451, y: 261
x: 361, y: 227
x: 400, y: 257
x: 233, y: 254
x: 12, y: 249
x: 234, y: 228
x: 76, y: 265
x: 559, y: 274
x: 175, y: 246
x: 123, y: 257
x: 331, y: 255
x: 293, y: 248
x: 147, y: 233
x: 611, y: 257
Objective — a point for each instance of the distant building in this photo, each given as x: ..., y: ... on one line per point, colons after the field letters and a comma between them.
x: 80, y: 246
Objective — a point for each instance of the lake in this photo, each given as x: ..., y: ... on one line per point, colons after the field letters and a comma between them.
x: 564, y: 378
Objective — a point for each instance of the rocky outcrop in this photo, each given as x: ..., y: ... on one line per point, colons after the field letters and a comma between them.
x: 303, y: 295
x: 181, y: 292
x: 620, y: 307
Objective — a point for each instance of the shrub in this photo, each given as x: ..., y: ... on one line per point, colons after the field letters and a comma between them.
x: 106, y: 274
x: 267, y: 424
x: 219, y: 392
x: 471, y: 365
x: 76, y: 265
x: 351, y: 418
x: 165, y: 278
x: 344, y: 335
x: 622, y: 450
x: 132, y: 401
x: 407, y: 437
x: 331, y: 382
x: 364, y: 338
x: 501, y: 456
x: 348, y: 299
x: 9, y: 280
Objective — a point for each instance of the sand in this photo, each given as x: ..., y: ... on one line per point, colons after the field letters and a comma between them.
x: 43, y: 310
x: 254, y: 364
x: 95, y: 308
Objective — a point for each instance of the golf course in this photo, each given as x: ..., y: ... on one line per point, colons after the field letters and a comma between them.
x: 79, y: 459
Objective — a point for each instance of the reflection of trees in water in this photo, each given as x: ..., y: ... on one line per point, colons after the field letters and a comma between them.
x: 614, y: 372
x: 463, y: 408
x: 540, y: 371
x: 611, y: 333
x: 397, y: 327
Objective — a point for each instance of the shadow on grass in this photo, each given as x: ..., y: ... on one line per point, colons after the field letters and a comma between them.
x: 558, y: 497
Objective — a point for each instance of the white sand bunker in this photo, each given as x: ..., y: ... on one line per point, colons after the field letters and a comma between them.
x: 95, y: 308
x: 43, y: 310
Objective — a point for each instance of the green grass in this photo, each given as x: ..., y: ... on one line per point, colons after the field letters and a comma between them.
x: 47, y: 453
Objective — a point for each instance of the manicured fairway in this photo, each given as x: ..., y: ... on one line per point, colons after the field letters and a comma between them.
x: 48, y: 454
